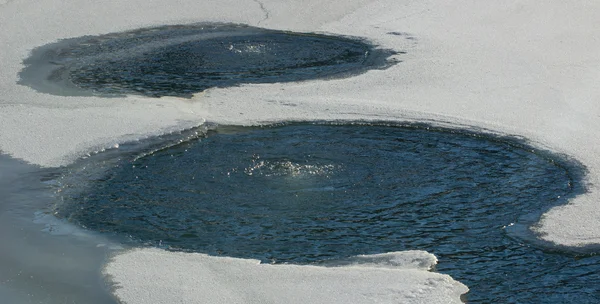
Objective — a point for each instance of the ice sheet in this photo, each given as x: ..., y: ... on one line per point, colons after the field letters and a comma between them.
x: 229, y: 280
x: 517, y: 67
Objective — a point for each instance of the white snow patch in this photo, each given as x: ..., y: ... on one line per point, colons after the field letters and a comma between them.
x: 193, y: 277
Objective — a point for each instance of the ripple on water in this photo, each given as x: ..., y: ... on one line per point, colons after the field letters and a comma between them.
x: 181, y: 60
x: 306, y: 193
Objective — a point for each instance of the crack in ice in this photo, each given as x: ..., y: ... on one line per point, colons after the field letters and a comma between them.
x: 263, y: 9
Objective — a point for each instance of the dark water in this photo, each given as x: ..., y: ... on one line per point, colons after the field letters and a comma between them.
x: 306, y: 193
x: 186, y: 59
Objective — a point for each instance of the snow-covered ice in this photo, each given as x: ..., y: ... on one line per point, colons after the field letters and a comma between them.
x: 228, y: 280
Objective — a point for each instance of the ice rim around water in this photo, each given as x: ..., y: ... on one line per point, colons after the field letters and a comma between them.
x: 522, y: 231
x: 50, y: 68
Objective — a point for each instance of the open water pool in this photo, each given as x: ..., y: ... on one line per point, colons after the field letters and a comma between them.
x: 320, y: 193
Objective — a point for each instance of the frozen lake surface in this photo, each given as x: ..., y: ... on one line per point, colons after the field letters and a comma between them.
x: 320, y: 194
x: 511, y: 68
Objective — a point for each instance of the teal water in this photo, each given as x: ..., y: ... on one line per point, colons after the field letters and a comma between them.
x: 320, y: 193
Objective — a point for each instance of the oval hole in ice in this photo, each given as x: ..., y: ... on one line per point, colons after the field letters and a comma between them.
x: 185, y: 59
x: 315, y: 193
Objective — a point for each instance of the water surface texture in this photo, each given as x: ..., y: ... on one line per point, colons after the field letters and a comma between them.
x: 185, y: 59
x: 305, y: 193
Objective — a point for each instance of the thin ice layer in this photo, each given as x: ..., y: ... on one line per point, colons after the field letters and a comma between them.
x: 229, y: 280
